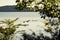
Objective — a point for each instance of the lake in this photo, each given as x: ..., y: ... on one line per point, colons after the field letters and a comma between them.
x: 21, y: 15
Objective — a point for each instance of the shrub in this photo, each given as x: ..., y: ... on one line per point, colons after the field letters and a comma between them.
x: 8, y: 31
x: 50, y: 7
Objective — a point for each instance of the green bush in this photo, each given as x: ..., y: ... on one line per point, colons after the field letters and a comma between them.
x: 51, y: 7
x: 8, y: 31
x: 28, y: 4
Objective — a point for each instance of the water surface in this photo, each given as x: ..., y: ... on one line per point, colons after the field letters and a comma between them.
x: 21, y: 15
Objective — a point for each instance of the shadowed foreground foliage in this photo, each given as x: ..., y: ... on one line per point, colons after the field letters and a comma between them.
x: 55, y: 36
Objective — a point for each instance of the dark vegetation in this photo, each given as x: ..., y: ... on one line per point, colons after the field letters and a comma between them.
x: 55, y: 36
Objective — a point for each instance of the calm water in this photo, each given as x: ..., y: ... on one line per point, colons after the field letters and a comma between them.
x: 21, y: 15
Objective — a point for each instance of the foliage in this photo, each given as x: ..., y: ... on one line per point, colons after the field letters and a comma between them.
x: 28, y: 4
x: 50, y: 7
x: 5, y: 33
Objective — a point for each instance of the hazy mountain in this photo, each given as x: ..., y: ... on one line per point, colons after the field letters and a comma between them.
x: 8, y: 9
x: 11, y: 9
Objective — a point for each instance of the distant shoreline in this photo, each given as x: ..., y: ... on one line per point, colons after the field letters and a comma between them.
x: 11, y: 8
